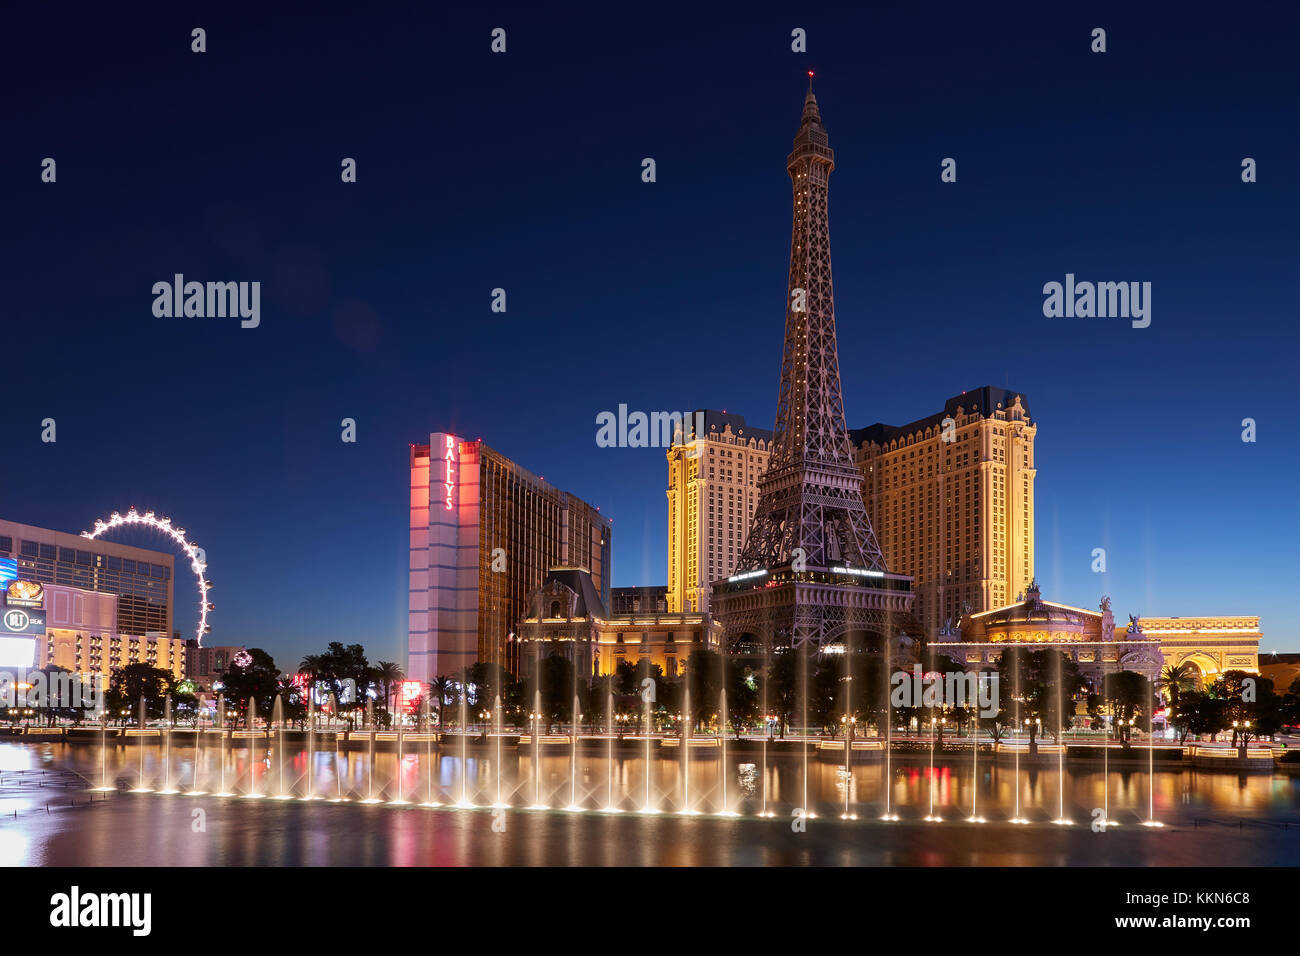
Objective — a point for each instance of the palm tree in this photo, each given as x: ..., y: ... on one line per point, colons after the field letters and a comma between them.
x: 1175, y: 679
x: 388, y: 674
x: 439, y: 688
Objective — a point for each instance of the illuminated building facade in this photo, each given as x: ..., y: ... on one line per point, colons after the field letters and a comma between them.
x: 205, y: 664
x: 712, y: 492
x: 139, y: 579
x: 80, y: 637
x: 90, y: 607
x: 484, y: 531
x: 566, y: 616
x: 1210, y: 645
x: 634, y: 600
x: 951, y: 498
x: 44, y: 625
x: 1089, y: 638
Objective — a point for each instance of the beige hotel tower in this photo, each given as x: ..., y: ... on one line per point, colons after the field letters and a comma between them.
x: 712, y: 490
x: 950, y: 496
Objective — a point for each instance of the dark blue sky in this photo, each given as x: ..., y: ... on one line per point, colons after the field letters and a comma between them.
x: 523, y: 171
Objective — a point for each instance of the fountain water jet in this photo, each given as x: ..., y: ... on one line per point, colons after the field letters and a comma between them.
x: 464, y: 749
x: 975, y: 767
x: 496, y: 719
x: 609, y: 759
x: 889, y: 814
x: 1105, y: 761
x: 931, y: 818
x: 194, y: 790
x: 428, y: 743
x: 401, y: 796
x: 1151, y: 820
x: 167, y: 745
x: 338, y: 756
x: 253, y: 756
x: 277, y: 718
x: 573, y: 745
x: 103, y: 752
x: 1061, y: 819
x: 311, y: 743
x: 847, y: 677
x: 685, y: 736
x: 221, y: 743
x: 536, y: 718
x: 645, y: 698
x: 370, y: 761
x: 803, y: 695
x: 726, y: 810
x: 767, y: 668
x: 141, y: 788
x: 1016, y: 696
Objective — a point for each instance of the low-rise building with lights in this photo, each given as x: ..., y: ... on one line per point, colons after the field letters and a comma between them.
x: 90, y: 607
x: 1207, y: 645
x: 1210, y: 645
x: 567, y: 617
x: 204, y: 665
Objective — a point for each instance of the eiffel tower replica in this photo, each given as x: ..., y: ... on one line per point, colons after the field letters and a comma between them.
x: 811, y: 573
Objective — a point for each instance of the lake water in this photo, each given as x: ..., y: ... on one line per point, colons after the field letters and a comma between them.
x: 1211, y: 818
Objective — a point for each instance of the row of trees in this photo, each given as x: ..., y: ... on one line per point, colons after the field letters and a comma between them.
x: 1043, y: 690
x: 823, y: 692
x: 341, y: 674
x: 1040, y: 692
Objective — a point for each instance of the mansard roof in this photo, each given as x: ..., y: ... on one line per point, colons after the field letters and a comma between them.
x: 985, y: 401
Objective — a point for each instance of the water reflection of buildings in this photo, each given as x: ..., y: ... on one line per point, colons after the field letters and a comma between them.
x: 1208, y: 645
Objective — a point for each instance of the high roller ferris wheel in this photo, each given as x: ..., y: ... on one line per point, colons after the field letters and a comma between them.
x: 197, y: 556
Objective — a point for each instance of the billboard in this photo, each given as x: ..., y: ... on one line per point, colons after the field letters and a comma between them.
x: 17, y: 651
x: 8, y: 571
x: 21, y: 620
x: 24, y: 594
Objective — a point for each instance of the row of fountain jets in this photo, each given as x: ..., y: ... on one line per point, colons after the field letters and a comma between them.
x: 465, y: 802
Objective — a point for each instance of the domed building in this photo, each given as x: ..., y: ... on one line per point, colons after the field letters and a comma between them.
x: 1087, y: 637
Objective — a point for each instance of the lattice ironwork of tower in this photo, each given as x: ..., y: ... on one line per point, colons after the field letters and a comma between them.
x: 811, y: 572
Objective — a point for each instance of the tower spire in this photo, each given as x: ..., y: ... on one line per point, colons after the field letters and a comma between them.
x: 810, y: 518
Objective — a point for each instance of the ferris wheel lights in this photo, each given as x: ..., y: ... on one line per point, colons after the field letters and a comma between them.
x: 192, y: 551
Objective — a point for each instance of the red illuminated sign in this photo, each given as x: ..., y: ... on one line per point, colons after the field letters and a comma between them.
x: 450, y: 458
x: 411, y: 690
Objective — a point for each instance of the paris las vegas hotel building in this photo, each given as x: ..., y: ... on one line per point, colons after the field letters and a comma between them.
x: 951, y: 499
x: 950, y: 496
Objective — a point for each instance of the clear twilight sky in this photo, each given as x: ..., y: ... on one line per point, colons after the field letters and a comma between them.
x: 523, y: 171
